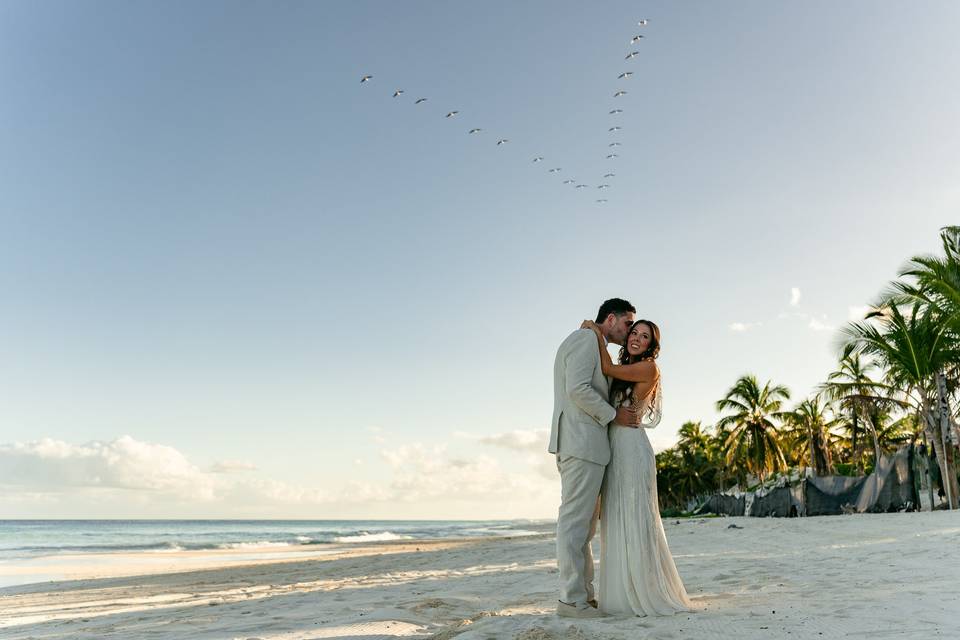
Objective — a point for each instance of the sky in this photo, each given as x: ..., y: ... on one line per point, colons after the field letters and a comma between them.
x: 236, y: 282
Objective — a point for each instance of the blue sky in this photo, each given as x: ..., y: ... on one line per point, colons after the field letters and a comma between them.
x: 228, y: 262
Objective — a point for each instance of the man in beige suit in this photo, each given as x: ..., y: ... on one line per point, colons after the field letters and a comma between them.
x: 578, y: 436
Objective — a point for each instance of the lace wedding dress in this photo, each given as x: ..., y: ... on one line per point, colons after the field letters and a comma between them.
x: 637, y: 572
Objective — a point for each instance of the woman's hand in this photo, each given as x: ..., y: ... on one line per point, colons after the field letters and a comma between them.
x: 590, y: 324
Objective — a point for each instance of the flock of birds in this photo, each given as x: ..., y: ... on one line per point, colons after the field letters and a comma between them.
x: 613, y: 146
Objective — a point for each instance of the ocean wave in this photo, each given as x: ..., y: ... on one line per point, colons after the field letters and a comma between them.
x: 364, y: 536
x: 259, y: 544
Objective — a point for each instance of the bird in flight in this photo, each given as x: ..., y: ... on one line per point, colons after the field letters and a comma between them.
x: 642, y: 23
x: 397, y: 92
x: 612, y: 155
x: 602, y: 200
x: 419, y: 100
x: 614, y: 144
x: 538, y: 159
x: 554, y: 170
x: 632, y: 54
x: 502, y: 141
x: 569, y: 181
x: 365, y: 79
x: 609, y: 175
x: 612, y: 129
x: 616, y: 111
x: 581, y: 186
x: 603, y: 186
x: 619, y: 93
x: 635, y: 39
x: 624, y: 75
x: 451, y: 114
x: 475, y: 131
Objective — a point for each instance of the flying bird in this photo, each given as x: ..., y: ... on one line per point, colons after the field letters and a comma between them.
x: 635, y: 39
x: 502, y: 141
x: 602, y: 200
x: 614, y: 144
x: 365, y: 79
x: 603, y: 186
x: 581, y: 186
x: 611, y: 129
x: 624, y: 75
x: 538, y: 159
x: 554, y: 170
x: 475, y: 131
x: 616, y: 111
x: 632, y: 54
x: 612, y: 155
x: 619, y: 93
x: 397, y: 92
x: 609, y: 175
x: 451, y: 114
x: 419, y: 100
x: 642, y: 23
x: 569, y: 181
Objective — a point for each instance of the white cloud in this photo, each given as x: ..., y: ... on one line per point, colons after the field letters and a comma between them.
x: 530, y: 440
x: 794, y: 296
x: 124, y: 463
x: 232, y: 466
x: 740, y: 327
x: 127, y: 478
x: 126, y: 470
x: 817, y: 325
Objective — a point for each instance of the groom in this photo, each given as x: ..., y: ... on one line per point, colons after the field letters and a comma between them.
x: 578, y: 435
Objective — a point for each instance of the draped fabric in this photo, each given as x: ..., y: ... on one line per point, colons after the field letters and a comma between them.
x: 637, y: 572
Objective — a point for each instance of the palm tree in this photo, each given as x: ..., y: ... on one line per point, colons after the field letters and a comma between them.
x: 915, y: 348
x: 753, y: 414
x: 934, y: 284
x: 810, y: 434
x: 852, y: 386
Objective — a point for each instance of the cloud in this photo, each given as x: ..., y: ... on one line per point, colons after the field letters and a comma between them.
x: 529, y: 441
x: 817, y: 325
x: 794, y: 296
x: 232, y: 466
x: 126, y: 469
x: 124, y: 463
x: 741, y: 327
x: 126, y: 477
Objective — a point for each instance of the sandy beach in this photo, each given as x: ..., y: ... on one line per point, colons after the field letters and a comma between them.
x: 862, y: 576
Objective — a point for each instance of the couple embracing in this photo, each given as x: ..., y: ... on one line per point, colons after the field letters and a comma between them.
x: 608, y: 470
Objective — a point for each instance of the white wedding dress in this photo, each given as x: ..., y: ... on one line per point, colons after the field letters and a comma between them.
x: 637, y: 572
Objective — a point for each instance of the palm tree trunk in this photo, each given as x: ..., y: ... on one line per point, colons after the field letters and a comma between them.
x: 876, y: 442
x: 943, y: 408
x: 931, y: 428
x: 855, y: 459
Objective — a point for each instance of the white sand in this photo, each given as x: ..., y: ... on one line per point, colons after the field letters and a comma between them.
x: 863, y: 576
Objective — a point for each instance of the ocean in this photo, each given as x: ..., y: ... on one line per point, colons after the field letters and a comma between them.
x: 28, y: 539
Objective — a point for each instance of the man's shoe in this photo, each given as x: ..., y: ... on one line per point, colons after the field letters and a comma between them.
x: 565, y: 610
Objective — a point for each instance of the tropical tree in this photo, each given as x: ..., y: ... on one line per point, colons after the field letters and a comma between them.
x: 809, y: 434
x: 753, y: 415
x: 915, y: 347
x: 853, y: 388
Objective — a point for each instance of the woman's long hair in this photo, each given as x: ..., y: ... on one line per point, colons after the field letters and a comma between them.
x: 623, y: 387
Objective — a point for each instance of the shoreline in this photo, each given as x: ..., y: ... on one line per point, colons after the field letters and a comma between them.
x: 68, y: 567
x: 867, y: 575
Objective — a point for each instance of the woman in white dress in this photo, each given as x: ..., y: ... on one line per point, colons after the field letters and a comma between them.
x: 637, y: 572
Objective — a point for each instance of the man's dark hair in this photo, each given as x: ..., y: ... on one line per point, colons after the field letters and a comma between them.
x: 618, y: 306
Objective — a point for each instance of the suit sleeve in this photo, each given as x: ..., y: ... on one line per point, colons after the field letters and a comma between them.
x: 581, y: 365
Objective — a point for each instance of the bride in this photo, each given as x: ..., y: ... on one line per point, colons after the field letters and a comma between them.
x: 637, y: 572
